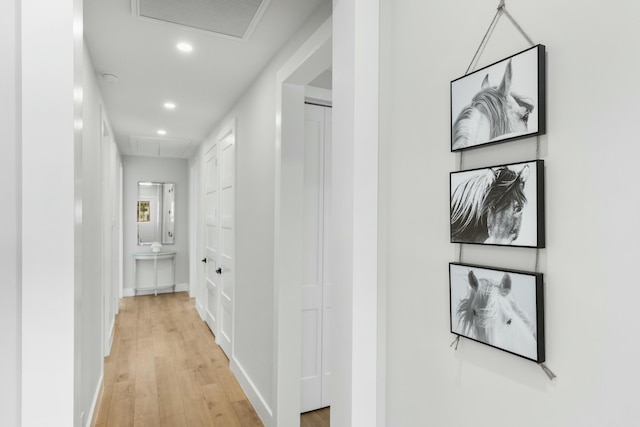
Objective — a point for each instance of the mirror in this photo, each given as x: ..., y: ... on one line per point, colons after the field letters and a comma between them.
x: 156, y: 213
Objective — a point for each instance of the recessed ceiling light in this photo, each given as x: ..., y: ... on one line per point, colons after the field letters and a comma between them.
x: 184, y: 47
x: 162, y: 132
x: 169, y: 105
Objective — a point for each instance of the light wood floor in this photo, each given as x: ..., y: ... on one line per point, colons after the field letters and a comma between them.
x: 165, y: 369
x: 319, y: 418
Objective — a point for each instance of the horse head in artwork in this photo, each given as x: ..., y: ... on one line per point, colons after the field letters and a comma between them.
x: 495, y: 111
x: 490, y: 314
x: 487, y: 207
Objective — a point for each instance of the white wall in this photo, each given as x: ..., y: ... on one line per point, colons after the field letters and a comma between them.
x: 357, y: 372
x: 254, y: 316
x: 590, y: 154
x: 52, y: 304
x: 10, y: 217
x: 138, y: 169
x: 100, y: 166
x: 51, y: 214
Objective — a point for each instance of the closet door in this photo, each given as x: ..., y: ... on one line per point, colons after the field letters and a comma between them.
x: 315, y: 309
x: 211, y: 205
x: 227, y: 241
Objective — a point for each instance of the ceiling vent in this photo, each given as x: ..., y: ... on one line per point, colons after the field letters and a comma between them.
x: 160, y: 147
x: 234, y: 19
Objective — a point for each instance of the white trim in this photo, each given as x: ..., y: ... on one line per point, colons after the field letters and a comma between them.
x: 200, y: 310
x: 112, y: 329
x: 357, y: 374
x: 180, y: 287
x: 121, y: 237
x: 97, y: 398
x: 257, y: 401
x: 313, y: 58
x: 193, y: 256
x: 318, y: 95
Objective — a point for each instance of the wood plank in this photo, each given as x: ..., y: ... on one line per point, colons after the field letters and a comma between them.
x: 195, y: 407
x: 105, y: 405
x: 126, y: 363
x: 145, y: 360
x: 143, y: 329
x: 147, y: 411
x: 109, y: 371
x: 246, y: 414
x: 145, y: 388
x: 161, y: 346
x: 177, y: 420
x: 123, y: 390
x: 219, y: 406
x: 231, y: 385
x: 319, y: 418
x: 168, y: 392
x: 121, y: 412
x: 207, y: 373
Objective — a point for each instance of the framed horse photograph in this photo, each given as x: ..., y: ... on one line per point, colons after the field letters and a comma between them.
x: 501, y: 102
x: 500, y: 308
x: 499, y: 205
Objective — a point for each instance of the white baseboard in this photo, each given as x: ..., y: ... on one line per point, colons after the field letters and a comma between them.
x: 130, y: 292
x: 259, y: 404
x: 107, y: 351
x: 97, y: 398
x: 200, y: 310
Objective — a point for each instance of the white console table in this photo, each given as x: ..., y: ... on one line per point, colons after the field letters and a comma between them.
x: 151, y: 256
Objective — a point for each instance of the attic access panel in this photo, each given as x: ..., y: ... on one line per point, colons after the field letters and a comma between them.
x: 229, y: 18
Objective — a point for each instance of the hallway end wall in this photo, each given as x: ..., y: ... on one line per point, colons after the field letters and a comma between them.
x: 137, y: 169
x: 590, y: 154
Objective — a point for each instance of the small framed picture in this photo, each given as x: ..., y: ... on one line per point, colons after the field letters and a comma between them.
x: 500, y: 308
x: 500, y: 205
x: 144, y: 211
x: 501, y: 102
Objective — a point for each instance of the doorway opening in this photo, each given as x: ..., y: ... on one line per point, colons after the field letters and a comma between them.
x: 316, y: 285
x: 306, y: 65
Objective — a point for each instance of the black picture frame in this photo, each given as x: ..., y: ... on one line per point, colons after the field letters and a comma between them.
x: 500, y: 308
x: 516, y: 84
x: 498, y: 205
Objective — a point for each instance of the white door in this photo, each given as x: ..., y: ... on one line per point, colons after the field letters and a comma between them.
x: 316, y: 287
x: 211, y: 250
x: 226, y: 264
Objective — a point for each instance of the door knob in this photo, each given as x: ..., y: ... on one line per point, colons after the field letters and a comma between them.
x: 204, y: 260
x: 219, y: 271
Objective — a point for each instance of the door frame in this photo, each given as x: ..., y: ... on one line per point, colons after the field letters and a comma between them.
x: 193, y: 256
x: 313, y: 57
x: 358, y: 337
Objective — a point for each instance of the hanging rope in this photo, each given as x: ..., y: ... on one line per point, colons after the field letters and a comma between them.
x: 547, y: 371
x: 502, y: 10
x: 515, y: 24
x: 456, y: 342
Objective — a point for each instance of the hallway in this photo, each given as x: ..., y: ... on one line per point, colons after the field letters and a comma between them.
x: 165, y: 369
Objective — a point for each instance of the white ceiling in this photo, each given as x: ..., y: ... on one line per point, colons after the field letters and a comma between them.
x: 204, y: 84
